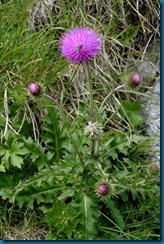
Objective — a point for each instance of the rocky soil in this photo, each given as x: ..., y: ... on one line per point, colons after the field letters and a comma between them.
x: 151, y: 106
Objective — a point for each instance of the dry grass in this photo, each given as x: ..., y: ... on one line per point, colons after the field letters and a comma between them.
x: 30, y: 227
x: 22, y: 232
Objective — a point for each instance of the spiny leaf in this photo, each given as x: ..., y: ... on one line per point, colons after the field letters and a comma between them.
x: 43, y: 184
x: 37, y: 153
x: 118, y: 218
x: 89, y: 216
x: 67, y: 193
x: 52, y: 132
x: 62, y: 219
x: 131, y: 111
x: 119, y: 144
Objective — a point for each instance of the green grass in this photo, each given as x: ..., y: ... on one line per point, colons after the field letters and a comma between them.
x: 47, y: 162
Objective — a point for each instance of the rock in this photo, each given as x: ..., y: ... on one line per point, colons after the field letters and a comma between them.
x: 39, y: 13
x: 157, y: 87
x: 147, y: 70
x: 151, y: 110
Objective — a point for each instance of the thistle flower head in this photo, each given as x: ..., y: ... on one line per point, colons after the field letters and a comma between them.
x: 34, y: 89
x: 136, y: 79
x: 93, y: 129
x: 154, y: 169
x: 103, y: 189
x: 79, y: 45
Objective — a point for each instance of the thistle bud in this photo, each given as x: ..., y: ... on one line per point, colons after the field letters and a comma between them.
x: 154, y: 169
x: 34, y: 88
x: 103, y: 189
x: 136, y: 79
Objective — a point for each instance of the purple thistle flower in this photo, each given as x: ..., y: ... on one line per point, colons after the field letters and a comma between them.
x: 103, y: 189
x: 79, y: 45
x: 136, y: 79
x: 34, y: 88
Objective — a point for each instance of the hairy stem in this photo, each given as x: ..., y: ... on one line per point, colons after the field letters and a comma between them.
x: 6, y: 111
x: 91, y: 106
x: 90, y: 92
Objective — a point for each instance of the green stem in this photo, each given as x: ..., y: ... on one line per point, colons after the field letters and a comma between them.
x: 90, y: 92
x: 91, y: 107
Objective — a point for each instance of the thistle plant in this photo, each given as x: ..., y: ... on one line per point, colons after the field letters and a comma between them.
x: 79, y: 164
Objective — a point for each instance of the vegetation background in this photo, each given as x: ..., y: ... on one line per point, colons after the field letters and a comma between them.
x: 48, y: 175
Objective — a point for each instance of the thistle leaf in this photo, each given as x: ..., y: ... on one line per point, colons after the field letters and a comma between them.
x: 88, y: 215
x: 52, y: 131
x: 119, y: 144
x: 131, y: 111
x: 118, y: 218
